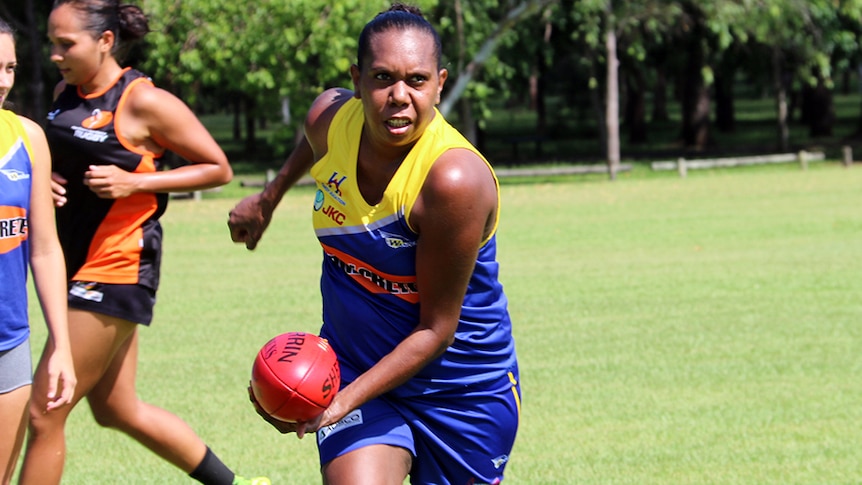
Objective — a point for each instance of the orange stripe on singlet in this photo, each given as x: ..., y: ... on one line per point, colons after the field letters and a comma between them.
x: 114, y: 255
x: 376, y: 281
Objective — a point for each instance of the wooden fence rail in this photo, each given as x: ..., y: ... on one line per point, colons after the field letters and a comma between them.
x: 683, y: 166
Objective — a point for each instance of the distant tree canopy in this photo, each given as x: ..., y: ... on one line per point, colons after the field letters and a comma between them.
x: 265, y: 61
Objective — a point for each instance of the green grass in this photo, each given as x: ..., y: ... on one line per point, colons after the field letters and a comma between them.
x: 697, y: 331
x: 670, y: 331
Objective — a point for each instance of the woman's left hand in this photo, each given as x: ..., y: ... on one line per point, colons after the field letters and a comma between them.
x: 61, y: 380
x: 283, y: 427
x: 110, y: 181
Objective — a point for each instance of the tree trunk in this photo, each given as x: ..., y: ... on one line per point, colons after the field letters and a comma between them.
x: 859, y: 124
x: 697, y: 134
x: 822, y: 113
x: 725, y: 115
x: 467, y: 122
x: 533, y: 89
x: 537, y: 99
x: 612, y: 96
x: 695, y: 96
x: 780, y: 99
x: 466, y: 74
x: 635, y: 112
x: 537, y: 91
x: 237, y: 117
x: 659, y: 97
x: 250, y: 126
x: 725, y: 80
x: 597, y: 102
x: 806, y: 104
x: 481, y: 144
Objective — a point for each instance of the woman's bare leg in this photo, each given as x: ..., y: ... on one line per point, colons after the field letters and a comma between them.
x: 115, y: 404
x: 370, y: 465
x: 104, y: 350
x: 13, y: 423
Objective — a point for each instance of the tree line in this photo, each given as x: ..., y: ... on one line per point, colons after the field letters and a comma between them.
x: 265, y: 61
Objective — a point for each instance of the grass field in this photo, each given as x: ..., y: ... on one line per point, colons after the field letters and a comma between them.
x: 697, y: 331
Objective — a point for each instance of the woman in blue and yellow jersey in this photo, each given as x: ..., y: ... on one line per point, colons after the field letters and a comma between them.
x: 108, y: 130
x: 406, y: 212
x: 28, y: 237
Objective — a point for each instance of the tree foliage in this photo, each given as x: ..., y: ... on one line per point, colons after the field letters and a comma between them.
x: 269, y: 59
x: 265, y: 50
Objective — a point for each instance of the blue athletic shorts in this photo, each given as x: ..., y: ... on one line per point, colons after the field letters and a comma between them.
x: 16, y: 367
x: 456, y: 438
x: 133, y: 303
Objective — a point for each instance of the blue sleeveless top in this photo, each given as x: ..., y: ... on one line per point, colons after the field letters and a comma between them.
x: 15, y: 183
x: 370, y: 299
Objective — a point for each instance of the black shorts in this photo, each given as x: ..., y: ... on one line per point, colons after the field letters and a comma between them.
x: 133, y: 303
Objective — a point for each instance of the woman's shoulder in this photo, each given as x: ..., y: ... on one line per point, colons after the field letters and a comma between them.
x: 18, y: 123
x: 144, y: 98
x: 40, y: 156
x: 320, y: 116
x: 33, y: 130
x: 326, y: 105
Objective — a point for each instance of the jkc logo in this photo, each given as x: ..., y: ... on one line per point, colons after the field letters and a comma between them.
x: 334, y: 214
x: 97, y: 119
x: 13, y: 228
x: 335, y: 182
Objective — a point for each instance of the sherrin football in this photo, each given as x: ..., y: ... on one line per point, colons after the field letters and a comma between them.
x: 295, y: 376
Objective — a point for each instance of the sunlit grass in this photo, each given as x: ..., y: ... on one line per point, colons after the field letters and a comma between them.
x: 670, y: 331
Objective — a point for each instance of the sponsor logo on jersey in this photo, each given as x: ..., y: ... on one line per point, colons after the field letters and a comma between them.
x: 333, y: 188
x: 395, y: 241
x: 53, y: 114
x: 15, y: 175
x: 87, y: 291
x: 335, y: 181
x: 500, y: 461
x: 89, y: 129
x: 373, y: 280
x: 97, y: 119
x: 89, y: 135
x: 334, y: 195
x: 318, y: 200
x: 14, y: 227
x: 352, y: 419
x: 334, y: 214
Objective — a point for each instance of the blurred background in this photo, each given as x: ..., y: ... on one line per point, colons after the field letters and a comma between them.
x: 540, y: 81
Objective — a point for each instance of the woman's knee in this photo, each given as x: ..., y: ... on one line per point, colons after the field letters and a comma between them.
x: 107, y: 415
x: 42, y: 422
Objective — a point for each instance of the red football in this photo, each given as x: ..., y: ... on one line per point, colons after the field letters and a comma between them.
x: 295, y: 376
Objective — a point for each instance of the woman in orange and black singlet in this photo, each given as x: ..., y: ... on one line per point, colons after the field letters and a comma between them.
x: 108, y: 130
